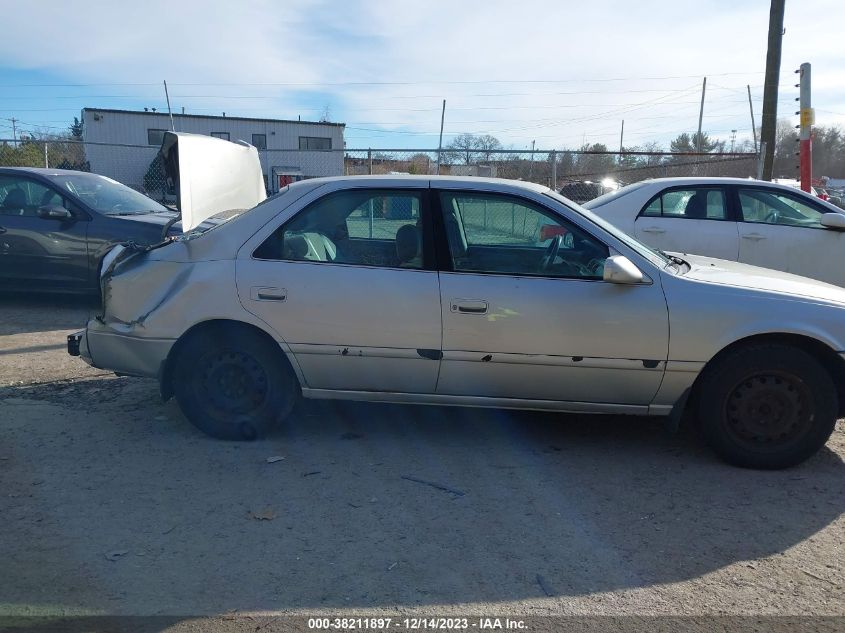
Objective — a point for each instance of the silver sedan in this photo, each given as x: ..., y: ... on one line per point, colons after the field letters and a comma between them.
x: 476, y: 292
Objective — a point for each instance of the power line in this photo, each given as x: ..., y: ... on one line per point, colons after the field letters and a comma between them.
x: 389, y: 83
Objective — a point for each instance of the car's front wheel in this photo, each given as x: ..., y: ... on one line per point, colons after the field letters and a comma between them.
x: 231, y: 384
x: 767, y: 406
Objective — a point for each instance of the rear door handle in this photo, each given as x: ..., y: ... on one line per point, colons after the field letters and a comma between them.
x: 753, y: 236
x: 469, y: 306
x: 653, y: 229
x: 264, y: 293
x: 2, y: 230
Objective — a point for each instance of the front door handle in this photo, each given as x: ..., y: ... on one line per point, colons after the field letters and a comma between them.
x: 2, y: 230
x: 653, y: 229
x: 753, y: 236
x: 265, y: 293
x: 469, y: 306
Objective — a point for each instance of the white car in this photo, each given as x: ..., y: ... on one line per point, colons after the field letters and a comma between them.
x: 750, y: 221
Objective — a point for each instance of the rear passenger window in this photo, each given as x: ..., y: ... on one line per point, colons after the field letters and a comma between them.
x: 364, y: 227
x: 695, y: 203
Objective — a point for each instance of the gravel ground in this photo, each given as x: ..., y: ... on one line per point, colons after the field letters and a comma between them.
x: 113, y: 504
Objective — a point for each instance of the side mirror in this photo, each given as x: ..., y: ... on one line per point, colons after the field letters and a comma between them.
x: 618, y: 269
x: 51, y: 212
x: 833, y: 220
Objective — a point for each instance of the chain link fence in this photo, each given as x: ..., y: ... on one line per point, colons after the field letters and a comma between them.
x: 578, y: 175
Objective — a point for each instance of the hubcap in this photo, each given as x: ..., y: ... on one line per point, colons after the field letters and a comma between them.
x: 233, y: 382
x: 769, y: 410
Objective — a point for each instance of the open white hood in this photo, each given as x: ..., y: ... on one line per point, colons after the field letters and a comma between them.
x: 211, y: 175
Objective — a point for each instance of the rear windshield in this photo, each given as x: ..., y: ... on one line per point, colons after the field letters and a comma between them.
x: 612, y: 195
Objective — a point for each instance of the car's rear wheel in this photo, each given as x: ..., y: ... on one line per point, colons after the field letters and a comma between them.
x: 231, y: 384
x: 767, y: 406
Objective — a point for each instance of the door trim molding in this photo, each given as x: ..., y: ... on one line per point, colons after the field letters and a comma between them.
x: 647, y: 364
x: 478, y: 401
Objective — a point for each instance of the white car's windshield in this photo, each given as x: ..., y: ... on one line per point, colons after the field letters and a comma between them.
x: 656, y: 257
x: 107, y: 196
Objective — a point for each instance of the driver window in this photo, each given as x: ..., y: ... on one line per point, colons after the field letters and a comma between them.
x: 23, y: 197
x: 777, y: 208
x: 489, y: 233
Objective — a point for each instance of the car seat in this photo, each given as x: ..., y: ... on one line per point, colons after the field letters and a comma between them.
x: 15, y: 202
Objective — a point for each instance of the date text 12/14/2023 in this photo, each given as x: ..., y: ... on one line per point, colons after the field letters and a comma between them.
x: 414, y: 624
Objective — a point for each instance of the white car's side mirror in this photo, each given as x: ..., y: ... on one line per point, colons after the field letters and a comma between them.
x: 833, y: 220
x: 618, y: 269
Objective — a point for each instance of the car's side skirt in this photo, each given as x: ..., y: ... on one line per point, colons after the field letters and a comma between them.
x: 476, y: 401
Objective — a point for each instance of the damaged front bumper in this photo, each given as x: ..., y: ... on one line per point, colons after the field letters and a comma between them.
x: 102, y: 347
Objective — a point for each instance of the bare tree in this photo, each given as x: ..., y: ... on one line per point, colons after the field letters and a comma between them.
x: 488, y: 145
x: 463, y: 148
x: 469, y: 149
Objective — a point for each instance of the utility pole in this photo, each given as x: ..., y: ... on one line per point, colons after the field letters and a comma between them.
x: 753, y: 125
x: 621, y: 135
x: 531, y: 162
x: 440, y: 142
x: 14, y: 131
x: 806, y: 127
x: 169, y: 111
x: 698, y: 143
x: 770, y: 89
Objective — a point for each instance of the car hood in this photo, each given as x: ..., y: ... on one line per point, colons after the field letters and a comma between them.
x: 211, y: 175
x: 163, y: 217
x: 729, y: 273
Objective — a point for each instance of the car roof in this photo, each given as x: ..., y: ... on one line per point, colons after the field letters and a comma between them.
x: 44, y: 171
x: 440, y: 181
x: 713, y: 180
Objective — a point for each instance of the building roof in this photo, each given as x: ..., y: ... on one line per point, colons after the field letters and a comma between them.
x: 209, y: 116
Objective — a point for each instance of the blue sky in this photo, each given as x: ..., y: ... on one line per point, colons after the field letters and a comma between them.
x: 557, y: 73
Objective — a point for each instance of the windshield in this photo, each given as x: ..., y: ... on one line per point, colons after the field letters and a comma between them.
x: 224, y: 217
x: 107, y: 196
x: 654, y: 256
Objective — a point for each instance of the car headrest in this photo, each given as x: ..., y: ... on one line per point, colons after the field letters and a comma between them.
x: 407, y: 242
x: 697, y: 206
x: 296, y: 247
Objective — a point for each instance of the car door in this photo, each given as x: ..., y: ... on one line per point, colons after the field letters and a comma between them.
x: 522, y: 322
x: 38, y: 251
x: 782, y: 230
x: 689, y: 219
x: 347, y: 285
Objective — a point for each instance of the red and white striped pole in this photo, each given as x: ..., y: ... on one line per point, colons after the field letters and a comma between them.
x: 806, y: 127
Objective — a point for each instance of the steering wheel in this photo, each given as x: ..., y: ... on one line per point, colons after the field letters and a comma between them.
x: 772, y: 217
x: 551, y: 253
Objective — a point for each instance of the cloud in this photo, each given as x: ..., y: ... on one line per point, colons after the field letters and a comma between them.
x: 387, y: 66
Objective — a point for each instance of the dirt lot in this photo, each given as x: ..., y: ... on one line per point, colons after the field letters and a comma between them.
x: 113, y: 504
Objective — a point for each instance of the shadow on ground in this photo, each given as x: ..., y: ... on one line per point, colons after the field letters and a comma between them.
x: 369, y: 505
x: 25, y: 312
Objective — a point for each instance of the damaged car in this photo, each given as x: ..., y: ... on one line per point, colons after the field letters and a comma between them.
x: 484, y: 293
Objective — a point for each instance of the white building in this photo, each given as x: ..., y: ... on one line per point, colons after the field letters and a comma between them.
x: 121, y: 144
